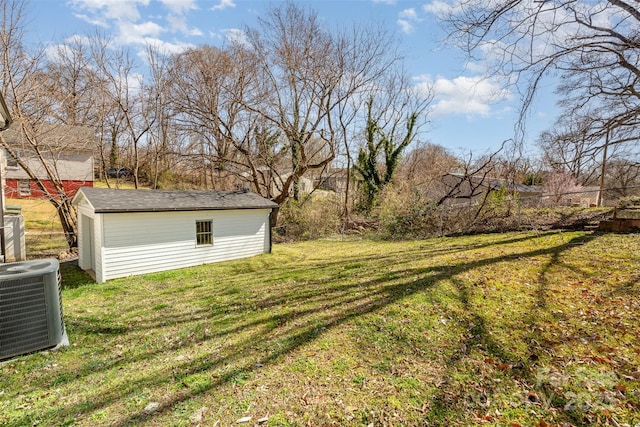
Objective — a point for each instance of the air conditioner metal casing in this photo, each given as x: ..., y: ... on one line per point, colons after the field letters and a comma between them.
x: 30, y: 307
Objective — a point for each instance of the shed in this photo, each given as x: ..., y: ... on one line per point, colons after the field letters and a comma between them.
x: 129, y: 232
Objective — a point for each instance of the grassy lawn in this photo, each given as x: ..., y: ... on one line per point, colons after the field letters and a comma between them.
x: 531, y: 329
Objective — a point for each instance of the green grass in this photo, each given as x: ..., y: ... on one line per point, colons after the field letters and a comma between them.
x: 501, y: 329
x: 39, y: 215
x: 43, y: 232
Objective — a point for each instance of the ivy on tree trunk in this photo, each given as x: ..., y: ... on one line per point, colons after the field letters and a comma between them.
x: 378, y: 159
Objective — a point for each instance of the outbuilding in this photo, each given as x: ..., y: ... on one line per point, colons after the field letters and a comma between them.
x: 129, y: 232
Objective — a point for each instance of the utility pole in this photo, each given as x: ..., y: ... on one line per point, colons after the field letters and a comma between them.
x: 604, y: 166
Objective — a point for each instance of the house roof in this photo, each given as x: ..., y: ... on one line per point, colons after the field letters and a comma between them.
x: 53, y: 137
x: 496, y: 183
x: 108, y: 200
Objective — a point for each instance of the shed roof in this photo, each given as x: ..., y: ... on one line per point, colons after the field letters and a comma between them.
x: 108, y: 200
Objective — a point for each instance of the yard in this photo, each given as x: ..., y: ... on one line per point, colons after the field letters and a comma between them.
x: 498, y: 329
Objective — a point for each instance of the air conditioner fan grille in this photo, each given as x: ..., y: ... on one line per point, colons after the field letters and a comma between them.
x: 24, y: 318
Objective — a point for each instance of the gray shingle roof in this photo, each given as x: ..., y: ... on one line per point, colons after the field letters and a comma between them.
x: 52, y: 137
x: 108, y: 200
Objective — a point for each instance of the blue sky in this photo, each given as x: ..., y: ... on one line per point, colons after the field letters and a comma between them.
x: 471, y: 112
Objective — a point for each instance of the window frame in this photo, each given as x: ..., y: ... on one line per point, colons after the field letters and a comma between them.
x: 24, y: 187
x: 204, y: 232
x: 11, y: 162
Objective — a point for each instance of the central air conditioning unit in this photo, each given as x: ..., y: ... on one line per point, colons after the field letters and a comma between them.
x: 30, y: 307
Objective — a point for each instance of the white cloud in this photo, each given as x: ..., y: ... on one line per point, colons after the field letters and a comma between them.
x: 216, y: 35
x: 406, y: 20
x: 124, y: 17
x: 223, y: 5
x: 235, y: 35
x: 126, y: 10
x: 167, y: 47
x: 99, y: 22
x: 179, y: 6
x: 438, y: 8
x: 131, y: 33
x: 409, y: 14
x: 78, y: 40
x: 405, y: 26
x: 56, y: 52
x: 469, y: 96
x: 179, y: 23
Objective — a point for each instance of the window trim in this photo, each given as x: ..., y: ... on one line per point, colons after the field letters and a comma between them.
x: 204, y: 232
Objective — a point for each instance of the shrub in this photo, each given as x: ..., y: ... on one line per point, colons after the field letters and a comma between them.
x: 315, y: 217
x: 630, y: 201
x: 405, y: 213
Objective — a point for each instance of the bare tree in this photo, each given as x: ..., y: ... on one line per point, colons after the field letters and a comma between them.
x: 47, y: 99
x: 593, y: 45
x: 161, y: 137
x: 69, y: 82
x: 561, y: 188
x: 470, y: 182
x: 623, y: 176
x: 295, y: 89
x: 427, y: 164
x: 571, y: 146
x: 221, y: 136
x: 275, y: 106
x: 126, y: 89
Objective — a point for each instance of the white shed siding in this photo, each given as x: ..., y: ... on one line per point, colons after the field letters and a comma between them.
x: 98, y: 250
x: 82, y: 261
x: 86, y: 211
x: 139, y: 243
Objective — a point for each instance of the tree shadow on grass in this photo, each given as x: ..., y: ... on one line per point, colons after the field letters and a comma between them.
x: 498, y: 356
x: 234, y: 336
x: 72, y: 276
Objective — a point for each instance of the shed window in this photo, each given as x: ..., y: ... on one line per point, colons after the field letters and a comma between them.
x: 204, y: 233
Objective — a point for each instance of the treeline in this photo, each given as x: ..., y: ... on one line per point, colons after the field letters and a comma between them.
x: 290, y: 110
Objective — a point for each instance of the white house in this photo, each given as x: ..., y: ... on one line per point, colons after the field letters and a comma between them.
x: 129, y: 232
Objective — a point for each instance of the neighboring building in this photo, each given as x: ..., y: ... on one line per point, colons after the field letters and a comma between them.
x: 67, y: 152
x: 304, y: 184
x: 464, y: 188
x: 273, y: 182
x: 129, y: 232
x: 574, y: 196
x: 334, y: 180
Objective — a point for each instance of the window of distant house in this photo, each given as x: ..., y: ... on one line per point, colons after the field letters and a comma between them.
x: 204, y: 233
x: 24, y: 187
x: 11, y: 161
